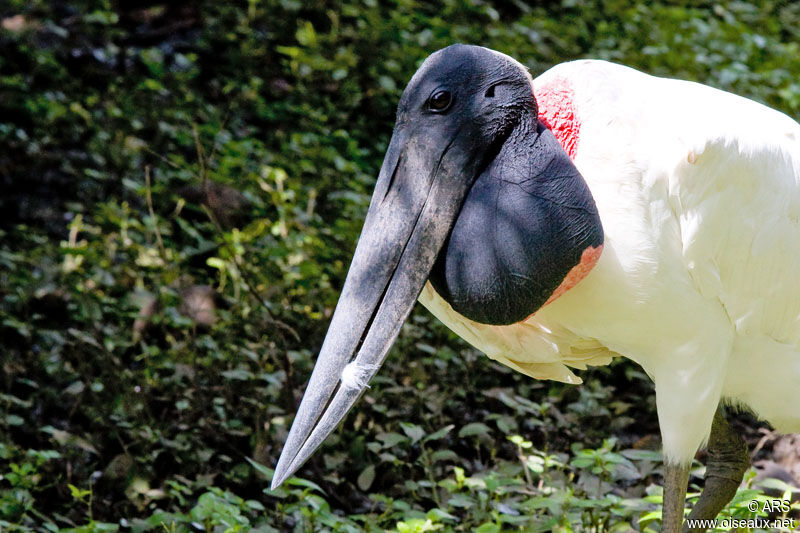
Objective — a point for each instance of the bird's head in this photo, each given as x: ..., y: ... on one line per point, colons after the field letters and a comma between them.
x: 464, y: 99
x: 466, y: 144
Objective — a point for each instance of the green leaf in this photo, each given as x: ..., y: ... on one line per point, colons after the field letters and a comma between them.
x: 413, y: 431
x: 366, y: 477
x: 261, y: 469
x: 76, y: 493
x: 216, y: 262
x: 461, y: 500
x: 240, y: 374
x: 391, y: 439
x: 255, y: 505
x: 439, y: 514
x: 643, y: 455
x: 475, y: 428
x: 14, y: 420
x: 299, y: 482
x: 444, y: 455
x: 306, y: 35
x: 440, y: 433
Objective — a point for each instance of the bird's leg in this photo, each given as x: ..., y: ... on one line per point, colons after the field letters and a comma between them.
x: 676, y: 477
x: 728, y: 459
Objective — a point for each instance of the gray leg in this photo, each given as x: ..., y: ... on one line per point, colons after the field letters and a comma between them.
x: 728, y: 459
x: 676, y: 477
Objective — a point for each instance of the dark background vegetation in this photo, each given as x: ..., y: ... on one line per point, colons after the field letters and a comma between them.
x: 181, y: 187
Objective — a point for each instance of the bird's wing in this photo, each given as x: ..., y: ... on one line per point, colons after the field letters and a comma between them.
x: 735, y: 191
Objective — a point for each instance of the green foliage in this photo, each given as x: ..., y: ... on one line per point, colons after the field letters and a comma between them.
x: 184, y: 184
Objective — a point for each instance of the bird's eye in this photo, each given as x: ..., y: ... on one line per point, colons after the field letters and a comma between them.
x: 440, y: 101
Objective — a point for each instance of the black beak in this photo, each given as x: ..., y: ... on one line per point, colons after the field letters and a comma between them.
x: 421, y: 187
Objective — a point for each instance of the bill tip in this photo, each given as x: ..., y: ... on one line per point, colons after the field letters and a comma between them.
x: 277, y: 480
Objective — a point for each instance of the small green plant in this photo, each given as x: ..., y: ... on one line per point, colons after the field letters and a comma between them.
x: 21, y: 483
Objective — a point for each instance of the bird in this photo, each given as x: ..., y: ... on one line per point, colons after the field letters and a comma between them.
x: 591, y: 213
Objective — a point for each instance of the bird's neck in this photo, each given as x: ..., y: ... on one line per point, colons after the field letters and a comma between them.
x: 528, y: 231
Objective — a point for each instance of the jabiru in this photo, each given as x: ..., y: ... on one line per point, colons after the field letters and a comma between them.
x: 593, y: 212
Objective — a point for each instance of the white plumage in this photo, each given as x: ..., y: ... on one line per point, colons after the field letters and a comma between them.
x: 698, y: 191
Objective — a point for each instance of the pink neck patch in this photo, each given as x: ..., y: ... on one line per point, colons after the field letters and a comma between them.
x: 589, y: 258
x: 555, y: 100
